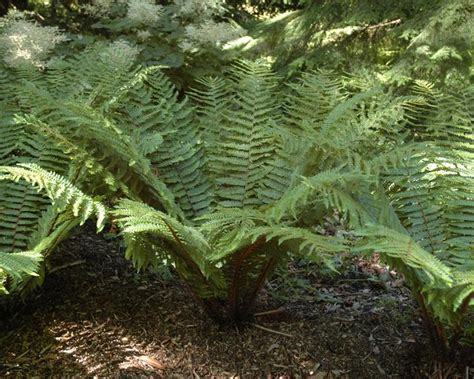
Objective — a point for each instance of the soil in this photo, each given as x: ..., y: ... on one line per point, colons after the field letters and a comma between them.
x: 95, y: 316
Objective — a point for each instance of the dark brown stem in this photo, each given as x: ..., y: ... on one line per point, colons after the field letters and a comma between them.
x: 258, y: 286
x: 435, y: 329
x: 184, y: 255
x: 465, y: 303
x: 211, y: 306
x: 234, y: 287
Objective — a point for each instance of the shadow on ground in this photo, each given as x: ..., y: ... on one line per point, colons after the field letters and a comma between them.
x: 97, y: 317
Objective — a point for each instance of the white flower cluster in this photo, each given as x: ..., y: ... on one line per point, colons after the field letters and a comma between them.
x: 23, y: 42
x: 140, y: 12
x: 210, y: 33
x: 119, y: 54
x: 199, y: 9
x: 143, y: 35
x: 144, y: 12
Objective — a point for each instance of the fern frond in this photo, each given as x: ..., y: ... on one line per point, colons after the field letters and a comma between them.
x: 59, y: 190
x: 17, y: 266
x: 406, y: 254
x: 312, y: 98
x: 77, y: 122
x: 93, y: 74
x: 20, y: 205
x: 330, y: 189
x: 315, y: 247
x: 212, y: 101
x: 185, y: 245
x: 244, y: 162
x: 153, y: 107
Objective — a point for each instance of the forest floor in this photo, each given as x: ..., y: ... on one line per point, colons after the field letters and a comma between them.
x: 95, y: 316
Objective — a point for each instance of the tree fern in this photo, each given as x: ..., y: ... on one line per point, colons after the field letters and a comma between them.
x: 216, y: 181
x: 214, y: 185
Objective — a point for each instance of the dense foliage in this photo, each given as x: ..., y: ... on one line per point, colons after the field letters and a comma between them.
x: 430, y: 40
x: 423, y: 224
x: 222, y: 177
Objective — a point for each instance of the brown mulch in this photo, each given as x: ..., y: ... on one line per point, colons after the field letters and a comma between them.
x: 95, y: 316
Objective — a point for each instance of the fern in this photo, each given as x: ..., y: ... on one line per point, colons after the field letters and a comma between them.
x: 59, y: 190
x: 214, y: 181
x: 70, y: 207
x: 220, y: 183
x: 17, y: 266
x: 427, y: 208
x: 37, y: 125
x: 250, y: 189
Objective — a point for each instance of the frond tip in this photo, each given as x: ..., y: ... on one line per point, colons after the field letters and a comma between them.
x: 61, y: 191
x: 17, y: 266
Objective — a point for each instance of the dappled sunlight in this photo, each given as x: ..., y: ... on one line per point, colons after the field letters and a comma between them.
x: 236, y: 188
x: 123, y: 323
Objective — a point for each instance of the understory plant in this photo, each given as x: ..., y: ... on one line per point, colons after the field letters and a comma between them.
x: 31, y: 226
x: 423, y: 216
x: 210, y: 184
x: 193, y: 37
x: 226, y: 182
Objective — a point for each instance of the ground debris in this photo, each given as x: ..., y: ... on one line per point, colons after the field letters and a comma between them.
x: 102, y: 319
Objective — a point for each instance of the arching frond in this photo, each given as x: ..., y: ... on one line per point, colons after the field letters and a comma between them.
x: 58, y: 189
x: 17, y: 266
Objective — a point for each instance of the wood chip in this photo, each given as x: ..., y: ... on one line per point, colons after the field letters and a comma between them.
x: 152, y: 362
x: 272, y: 331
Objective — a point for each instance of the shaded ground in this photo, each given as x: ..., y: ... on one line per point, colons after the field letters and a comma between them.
x: 99, y: 318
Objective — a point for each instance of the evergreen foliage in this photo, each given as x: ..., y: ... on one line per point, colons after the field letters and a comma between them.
x: 232, y: 181
x: 430, y: 40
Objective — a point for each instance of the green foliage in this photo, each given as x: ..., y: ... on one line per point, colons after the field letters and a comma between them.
x: 401, y: 40
x: 218, y: 177
x: 15, y: 266
x: 39, y: 122
x: 59, y: 190
x: 427, y: 209
x: 265, y: 7
x: 22, y: 209
x: 233, y: 168
x: 69, y: 206
x: 224, y: 184
x: 242, y: 143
